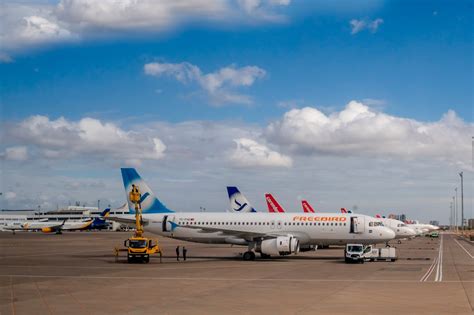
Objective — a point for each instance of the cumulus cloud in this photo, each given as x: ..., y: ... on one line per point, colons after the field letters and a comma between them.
x: 25, y: 24
x: 359, y: 130
x: 250, y: 153
x: 360, y: 25
x: 218, y: 85
x: 19, y: 153
x: 62, y: 138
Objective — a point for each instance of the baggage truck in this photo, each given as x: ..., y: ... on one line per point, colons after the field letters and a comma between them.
x: 359, y: 253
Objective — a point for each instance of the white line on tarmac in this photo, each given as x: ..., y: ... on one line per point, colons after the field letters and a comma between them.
x: 218, y: 279
x: 429, y: 271
x: 463, y: 248
x: 439, y: 269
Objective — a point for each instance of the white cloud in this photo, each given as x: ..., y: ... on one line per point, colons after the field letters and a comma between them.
x: 9, y: 195
x: 360, y: 25
x: 62, y: 138
x: 250, y: 153
x: 19, y: 153
x: 358, y: 130
x: 218, y: 85
x: 26, y: 24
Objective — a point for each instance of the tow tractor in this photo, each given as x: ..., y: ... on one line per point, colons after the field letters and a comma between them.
x: 138, y: 247
x: 359, y: 253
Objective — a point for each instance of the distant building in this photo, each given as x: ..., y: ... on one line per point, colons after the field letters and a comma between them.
x: 470, y: 224
x: 434, y: 222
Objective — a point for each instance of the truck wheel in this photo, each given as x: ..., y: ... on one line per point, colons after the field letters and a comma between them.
x: 129, y: 260
x: 147, y: 260
x: 361, y: 261
x: 347, y: 260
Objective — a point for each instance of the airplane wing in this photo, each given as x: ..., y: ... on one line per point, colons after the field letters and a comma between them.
x: 126, y: 220
x: 242, y: 234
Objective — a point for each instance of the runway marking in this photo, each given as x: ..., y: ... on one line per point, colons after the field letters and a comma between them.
x: 462, y: 247
x: 439, y: 270
x: 221, y: 279
x: 42, y: 298
x: 429, y: 271
x: 437, y: 264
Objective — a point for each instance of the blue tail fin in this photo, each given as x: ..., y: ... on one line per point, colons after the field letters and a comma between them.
x: 148, y: 200
x: 238, y: 202
x: 105, y: 213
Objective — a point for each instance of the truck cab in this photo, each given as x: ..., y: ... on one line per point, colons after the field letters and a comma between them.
x: 354, y: 253
x: 140, y: 248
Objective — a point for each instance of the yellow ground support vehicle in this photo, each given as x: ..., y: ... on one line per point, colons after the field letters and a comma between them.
x: 138, y: 247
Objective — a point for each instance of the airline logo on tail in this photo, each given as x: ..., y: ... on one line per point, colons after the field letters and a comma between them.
x: 344, y: 210
x: 238, y: 202
x: 148, y: 201
x: 272, y: 204
x: 307, y: 207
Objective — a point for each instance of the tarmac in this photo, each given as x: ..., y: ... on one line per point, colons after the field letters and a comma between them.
x: 76, y: 273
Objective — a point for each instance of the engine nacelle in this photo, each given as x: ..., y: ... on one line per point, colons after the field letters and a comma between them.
x: 281, y: 245
x: 46, y: 230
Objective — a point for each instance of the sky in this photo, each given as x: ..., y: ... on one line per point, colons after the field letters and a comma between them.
x: 365, y: 105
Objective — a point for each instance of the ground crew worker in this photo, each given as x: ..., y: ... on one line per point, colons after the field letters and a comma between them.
x: 184, y: 253
x: 177, y: 253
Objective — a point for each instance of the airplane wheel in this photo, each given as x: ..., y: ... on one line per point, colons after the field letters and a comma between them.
x: 249, y: 255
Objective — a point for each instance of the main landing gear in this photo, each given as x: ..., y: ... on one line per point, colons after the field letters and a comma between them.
x: 249, y: 255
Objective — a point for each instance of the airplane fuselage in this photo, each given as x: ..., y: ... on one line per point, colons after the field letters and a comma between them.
x: 311, y: 229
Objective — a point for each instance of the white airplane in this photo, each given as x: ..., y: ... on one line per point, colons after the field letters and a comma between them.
x: 401, y: 229
x: 421, y: 228
x: 58, y: 226
x: 260, y: 232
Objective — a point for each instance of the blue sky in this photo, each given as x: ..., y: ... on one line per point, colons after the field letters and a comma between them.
x: 405, y: 60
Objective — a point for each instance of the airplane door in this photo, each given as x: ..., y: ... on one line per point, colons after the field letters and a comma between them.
x: 357, y: 225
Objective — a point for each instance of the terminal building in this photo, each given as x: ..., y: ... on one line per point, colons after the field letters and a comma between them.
x: 69, y: 213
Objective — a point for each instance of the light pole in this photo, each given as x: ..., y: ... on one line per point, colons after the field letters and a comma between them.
x: 455, y: 215
x: 456, y: 203
x: 462, y: 202
x: 451, y: 215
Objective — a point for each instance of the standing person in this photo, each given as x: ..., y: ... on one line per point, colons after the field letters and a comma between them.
x: 184, y: 253
x: 177, y: 253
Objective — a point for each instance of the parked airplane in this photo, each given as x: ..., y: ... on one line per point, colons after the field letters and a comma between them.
x: 307, y: 207
x: 401, y: 229
x: 344, y: 210
x: 260, y: 232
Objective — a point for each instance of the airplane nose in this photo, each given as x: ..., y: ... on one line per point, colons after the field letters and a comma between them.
x: 389, y: 234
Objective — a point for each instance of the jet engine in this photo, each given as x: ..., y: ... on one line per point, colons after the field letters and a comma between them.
x: 279, y: 246
x: 46, y: 230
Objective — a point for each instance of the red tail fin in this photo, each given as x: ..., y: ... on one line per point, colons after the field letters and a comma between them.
x: 378, y: 216
x: 273, y: 205
x: 306, y: 206
x: 343, y: 210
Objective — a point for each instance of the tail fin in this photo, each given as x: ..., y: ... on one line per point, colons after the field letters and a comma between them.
x: 272, y: 204
x: 238, y: 202
x: 378, y: 216
x: 343, y: 210
x: 307, y: 207
x: 105, y: 213
x: 148, y: 201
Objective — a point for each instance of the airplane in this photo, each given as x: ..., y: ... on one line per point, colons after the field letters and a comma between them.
x: 263, y: 233
x: 307, y: 207
x: 401, y: 229
x: 100, y: 222
x: 421, y: 228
